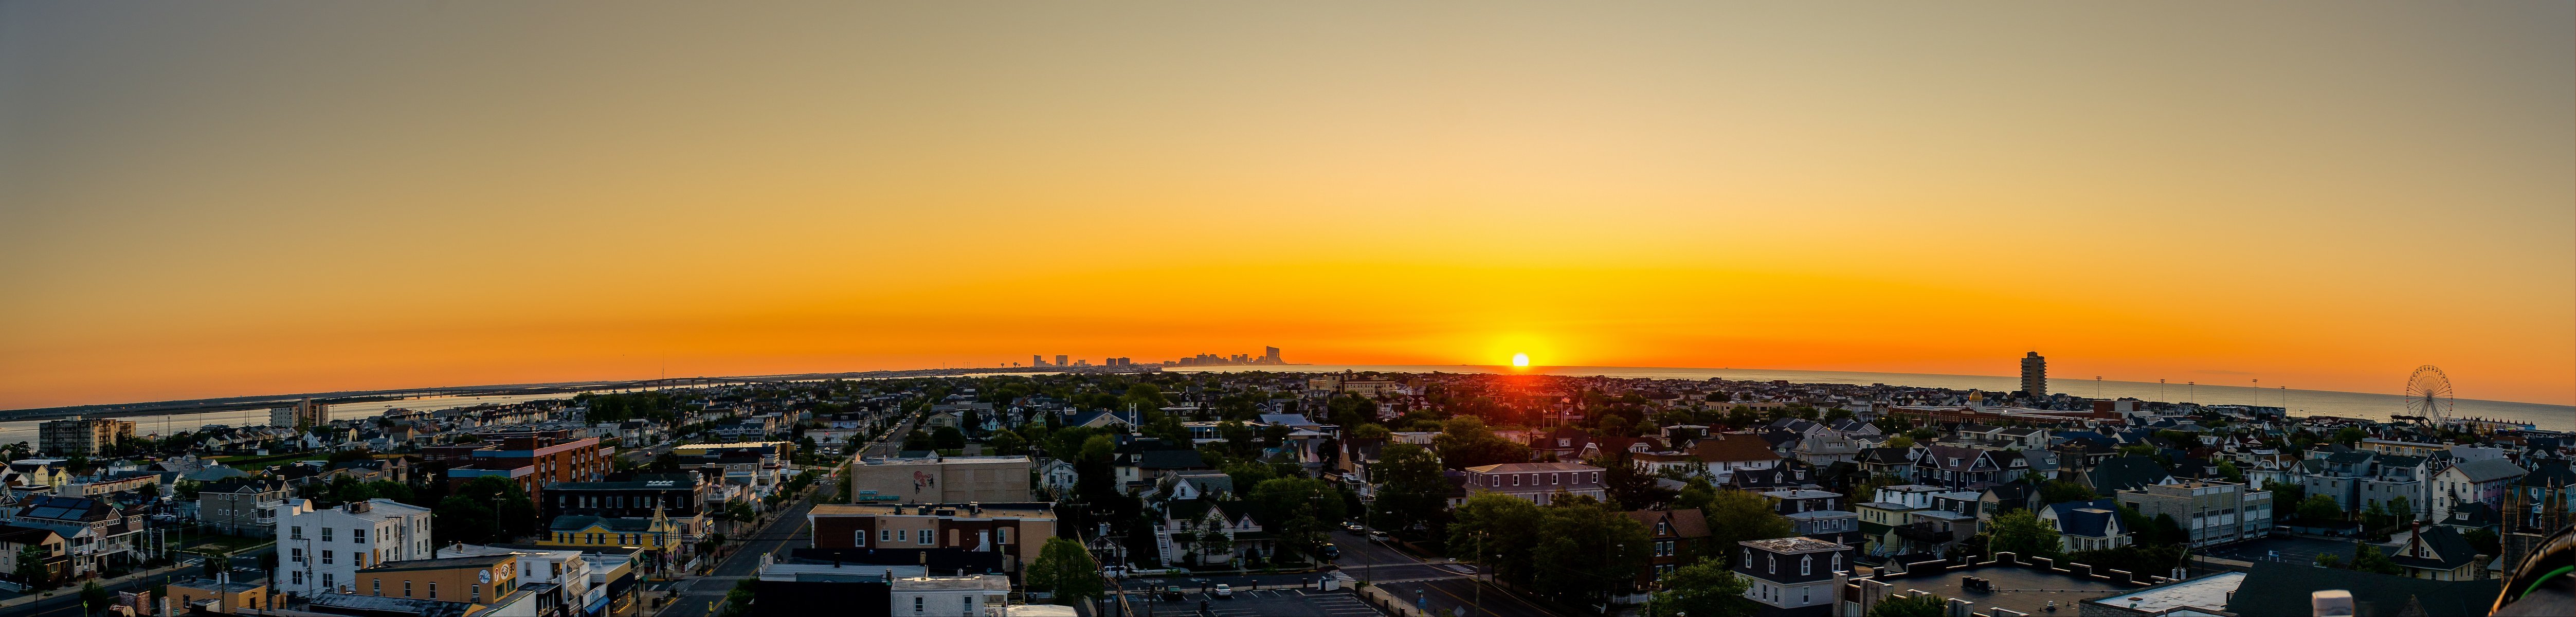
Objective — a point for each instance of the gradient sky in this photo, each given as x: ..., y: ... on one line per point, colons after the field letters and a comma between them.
x: 218, y: 199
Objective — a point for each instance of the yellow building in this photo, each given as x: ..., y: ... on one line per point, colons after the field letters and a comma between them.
x: 226, y: 597
x: 658, y: 534
x: 480, y: 579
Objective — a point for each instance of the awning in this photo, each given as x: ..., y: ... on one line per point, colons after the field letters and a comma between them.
x: 596, y: 606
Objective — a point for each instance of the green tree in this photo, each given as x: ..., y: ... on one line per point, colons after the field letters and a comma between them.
x: 1412, y: 495
x: 2021, y: 533
x: 1496, y: 532
x: 95, y: 598
x: 2164, y: 530
x: 1738, y: 516
x: 1696, y: 494
x: 2367, y: 557
x: 1063, y: 567
x: 1704, y: 589
x: 31, y: 568
x: 2291, y: 493
x: 1926, y: 605
x: 949, y: 438
x: 2062, y: 491
x: 2329, y: 560
x: 1297, y: 511
x: 1630, y: 489
x: 1899, y: 441
x: 1007, y: 443
x: 1588, y: 550
x: 2320, y: 509
x: 1464, y: 442
x: 2350, y: 436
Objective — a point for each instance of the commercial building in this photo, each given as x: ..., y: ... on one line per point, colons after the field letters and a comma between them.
x: 2034, y: 375
x: 1536, y: 482
x: 323, y: 549
x: 948, y: 479
x: 74, y: 436
x: 475, y: 579
x: 223, y: 597
x: 2210, y: 512
x: 531, y: 460
x: 1015, y: 530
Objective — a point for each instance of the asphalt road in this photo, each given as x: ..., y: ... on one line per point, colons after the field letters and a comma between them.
x: 699, y: 597
x: 1443, y: 584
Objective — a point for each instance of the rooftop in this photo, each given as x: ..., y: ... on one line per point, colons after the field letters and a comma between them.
x: 2026, y: 589
x: 968, y: 460
x: 1793, y: 544
x: 1009, y: 510
x: 2208, y: 592
x: 475, y: 561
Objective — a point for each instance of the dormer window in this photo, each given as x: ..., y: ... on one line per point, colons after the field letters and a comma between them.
x: 1807, y: 565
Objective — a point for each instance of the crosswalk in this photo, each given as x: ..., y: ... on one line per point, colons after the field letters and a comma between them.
x: 1459, y: 568
x: 1344, y: 577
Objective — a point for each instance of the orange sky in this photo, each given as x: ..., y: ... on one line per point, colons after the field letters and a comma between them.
x: 216, y: 200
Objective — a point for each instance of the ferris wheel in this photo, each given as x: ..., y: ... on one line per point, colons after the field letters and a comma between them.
x: 2428, y: 394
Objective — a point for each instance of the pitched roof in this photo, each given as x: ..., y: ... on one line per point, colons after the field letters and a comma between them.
x: 1887, y: 456
x: 1732, y: 448
x: 2087, y: 522
x: 2121, y: 473
x: 2489, y: 470
x: 2435, y: 548
x: 2550, y: 474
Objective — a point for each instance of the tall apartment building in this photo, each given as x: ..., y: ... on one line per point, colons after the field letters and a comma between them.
x: 2034, y: 374
x: 2210, y: 512
x: 1270, y: 355
x: 949, y: 479
x: 323, y: 549
x: 1061, y: 359
x: 302, y: 414
x: 74, y: 436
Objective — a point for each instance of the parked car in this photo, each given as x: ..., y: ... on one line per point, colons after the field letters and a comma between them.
x: 1354, y: 527
x: 1223, y: 591
x: 1113, y: 572
x: 1173, y: 593
x: 1332, y: 552
x: 1380, y: 536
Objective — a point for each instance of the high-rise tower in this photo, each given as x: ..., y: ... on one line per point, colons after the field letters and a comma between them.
x: 2034, y: 375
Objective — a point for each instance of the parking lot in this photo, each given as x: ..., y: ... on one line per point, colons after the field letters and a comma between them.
x: 1265, y: 603
x: 2291, y: 549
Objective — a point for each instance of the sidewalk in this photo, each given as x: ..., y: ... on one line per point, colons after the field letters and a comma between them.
x: 74, y: 588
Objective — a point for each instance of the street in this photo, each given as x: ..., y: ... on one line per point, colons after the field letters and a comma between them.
x: 702, y: 596
x: 1444, y: 586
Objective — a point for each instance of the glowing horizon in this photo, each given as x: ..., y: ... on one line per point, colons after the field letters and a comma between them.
x: 224, y: 200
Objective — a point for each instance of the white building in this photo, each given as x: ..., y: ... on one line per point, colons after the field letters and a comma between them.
x: 949, y: 596
x: 324, y: 548
x: 568, y: 570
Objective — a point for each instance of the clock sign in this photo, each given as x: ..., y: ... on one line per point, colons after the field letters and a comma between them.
x: 484, y: 576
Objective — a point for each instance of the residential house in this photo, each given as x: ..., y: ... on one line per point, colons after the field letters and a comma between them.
x: 2475, y: 481
x: 1792, y: 576
x: 245, y: 507
x: 1958, y: 468
x: 2438, y: 553
x: 1537, y: 482
x: 1678, y: 537
x: 2086, y: 525
x: 97, y: 535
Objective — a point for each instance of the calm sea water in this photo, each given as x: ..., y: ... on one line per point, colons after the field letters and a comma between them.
x: 25, y: 430
x: 2299, y: 402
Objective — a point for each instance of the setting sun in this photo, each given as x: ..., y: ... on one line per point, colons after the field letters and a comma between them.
x: 1520, y: 359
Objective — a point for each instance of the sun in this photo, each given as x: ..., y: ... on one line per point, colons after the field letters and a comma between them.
x: 1520, y: 360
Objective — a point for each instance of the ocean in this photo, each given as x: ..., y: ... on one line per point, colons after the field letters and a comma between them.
x: 2377, y: 406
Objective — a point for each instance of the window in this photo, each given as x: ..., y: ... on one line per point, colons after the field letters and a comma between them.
x: 326, y: 581
x: 378, y: 585
x: 298, y: 577
x: 859, y: 539
x: 295, y: 555
x: 1002, y: 535
x: 885, y: 535
x: 406, y: 589
x: 916, y: 604
x: 1516, y: 480
x: 1773, y: 564
x: 1748, y: 558
x: 476, y: 591
x: 1807, y: 565
x: 295, y: 532
x: 326, y: 557
x: 903, y: 535
x: 927, y: 538
x: 1837, y: 562
x: 433, y: 590
x: 358, y: 536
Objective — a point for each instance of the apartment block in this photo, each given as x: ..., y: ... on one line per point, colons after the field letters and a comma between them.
x: 950, y: 479
x: 2211, y: 512
x: 323, y: 548
x: 74, y: 436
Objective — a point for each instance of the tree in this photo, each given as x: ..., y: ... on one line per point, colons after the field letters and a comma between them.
x: 1496, y: 532
x: 2062, y: 491
x: 1696, y: 494
x: 1065, y: 568
x: 1629, y: 489
x: 470, y: 515
x: 2021, y: 533
x: 2350, y: 436
x: 949, y: 438
x: 31, y: 568
x: 1465, y: 442
x: 1412, y: 494
x: 1926, y: 605
x: 2163, y: 530
x: 1587, y: 550
x: 1007, y: 443
x: 2228, y: 468
x: 2485, y: 541
x: 2367, y: 557
x: 1738, y: 516
x: 95, y: 598
x: 2292, y: 493
x: 1297, y: 511
x: 2320, y: 509
x: 1899, y: 441
x: 2329, y: 560
x: 1704, y: 589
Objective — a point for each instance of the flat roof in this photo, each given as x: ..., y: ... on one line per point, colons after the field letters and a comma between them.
x: 1046, y: 511
x: 944, y: 460
x: 2207, y: 592
x: 2026, y: 589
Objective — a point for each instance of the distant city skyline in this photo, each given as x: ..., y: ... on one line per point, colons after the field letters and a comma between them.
x: 216, y: 199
